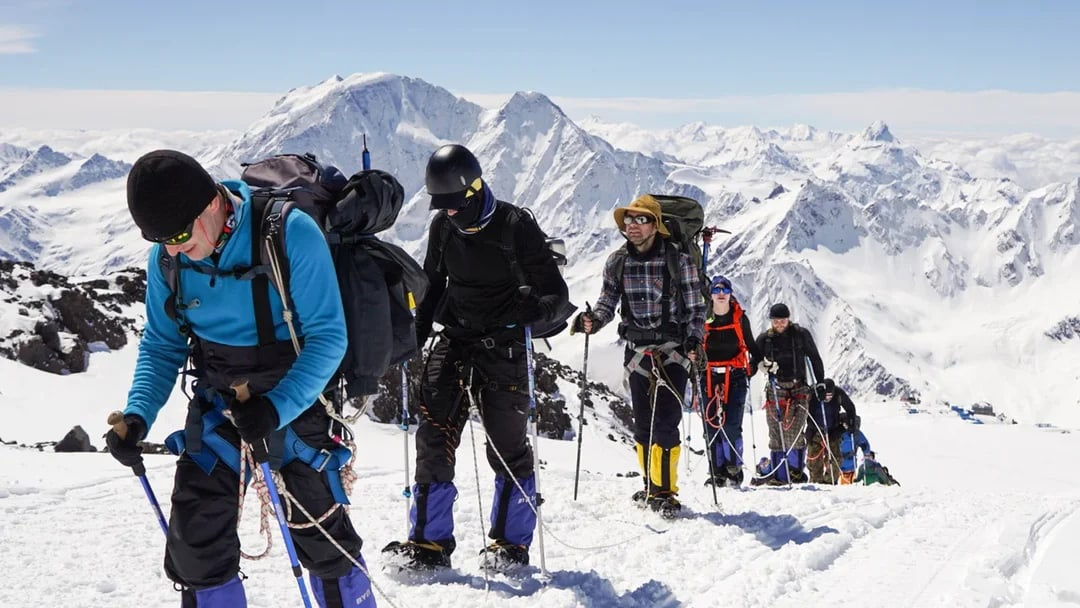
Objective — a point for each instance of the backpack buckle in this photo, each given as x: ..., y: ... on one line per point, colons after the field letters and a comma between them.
x: 326, y: 456
x: 488, y: 342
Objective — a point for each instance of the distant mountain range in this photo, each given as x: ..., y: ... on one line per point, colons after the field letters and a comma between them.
x: 915, y: 275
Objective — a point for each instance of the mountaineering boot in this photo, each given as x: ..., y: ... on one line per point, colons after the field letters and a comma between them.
x: 665, y: 504
x: 780, y: 467
x: 352, y: 589
x: 663, y: 469
x: 796, y: 465
x: 502, y: 556
x: 640, y: 498
x: 734, y: 475
x: 416, y: 555
x: 513, y: 517
x: 431, y: 537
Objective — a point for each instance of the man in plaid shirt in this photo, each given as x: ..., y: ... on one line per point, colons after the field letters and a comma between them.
x: 663, y: 320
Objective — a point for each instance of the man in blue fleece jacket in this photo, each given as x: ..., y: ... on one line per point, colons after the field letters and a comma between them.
x: 229, y: 323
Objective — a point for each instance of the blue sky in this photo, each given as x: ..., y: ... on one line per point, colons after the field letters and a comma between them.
x: 564, y: 49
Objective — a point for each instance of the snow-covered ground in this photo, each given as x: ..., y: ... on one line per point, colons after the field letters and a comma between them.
x: 987, y: 516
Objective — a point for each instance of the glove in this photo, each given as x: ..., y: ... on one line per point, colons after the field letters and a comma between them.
x: 255, y: 418
x: 579, y: 323
x: 819, y: 391
x: 528, y: 308
x: 691, y: 344
x: 127, y: 451
x: 769, y: 366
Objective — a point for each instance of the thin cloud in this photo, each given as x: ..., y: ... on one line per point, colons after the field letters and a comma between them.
x: 17, y: 39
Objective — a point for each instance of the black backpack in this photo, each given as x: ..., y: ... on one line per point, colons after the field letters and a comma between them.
x: 684, y: 218
x: 378, y: 280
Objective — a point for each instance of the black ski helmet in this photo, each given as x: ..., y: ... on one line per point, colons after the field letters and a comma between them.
x: 452, y: 175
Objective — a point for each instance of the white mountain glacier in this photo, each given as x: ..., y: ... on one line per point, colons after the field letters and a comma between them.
x: 915, y: 273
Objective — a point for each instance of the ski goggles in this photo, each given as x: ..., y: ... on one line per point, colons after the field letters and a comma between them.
x: 637, y: 219
x: 718, y: 289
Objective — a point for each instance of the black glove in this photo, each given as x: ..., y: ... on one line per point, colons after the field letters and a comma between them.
x: 127, y: 451
x: 255, y: 418
x: 579, y: 323
x: 530, y: 308
x: 691, y: 344
x: 850, y: 423
x: 819, y: 391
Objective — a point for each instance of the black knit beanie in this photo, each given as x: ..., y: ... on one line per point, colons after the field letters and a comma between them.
x: 779, y: 311
x: 166, y: 191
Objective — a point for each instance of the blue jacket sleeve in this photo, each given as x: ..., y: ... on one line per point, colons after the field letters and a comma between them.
x: 318, y: 316
x: 162, y: 350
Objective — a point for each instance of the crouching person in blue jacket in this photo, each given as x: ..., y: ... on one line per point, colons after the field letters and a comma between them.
x: 209, y: 308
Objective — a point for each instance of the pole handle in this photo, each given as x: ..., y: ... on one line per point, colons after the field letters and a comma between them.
x: 116, y: 420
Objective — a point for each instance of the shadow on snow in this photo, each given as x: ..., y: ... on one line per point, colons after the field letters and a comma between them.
x: 591, y: 589
x: 773, y: 531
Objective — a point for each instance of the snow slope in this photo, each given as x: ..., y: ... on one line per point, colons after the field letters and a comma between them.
x: 987, y: 516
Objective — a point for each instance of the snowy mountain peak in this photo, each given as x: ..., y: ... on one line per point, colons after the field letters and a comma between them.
x: 878, y: 131
x: 801, y: 132
x: 41, y: 160
x: 403, y: 118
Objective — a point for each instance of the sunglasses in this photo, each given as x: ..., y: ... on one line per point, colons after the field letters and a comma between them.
x: 637, y: 219
x: 177, y: 239
x: 721, y: 289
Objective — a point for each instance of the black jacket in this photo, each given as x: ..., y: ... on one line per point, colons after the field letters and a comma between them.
x: 831, y: 410
x: 790, y: 350
x: 724, y: 345
x: 474, y: 287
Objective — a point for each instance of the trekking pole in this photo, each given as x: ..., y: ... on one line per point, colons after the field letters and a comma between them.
x: 709, y: 445
x: 365, y: 156
x: 780, y: 425
x: 116, y: 419
x: 750, y: 404
x: 583, y: 396
x: 407, y: 492
x: 824, y: 422
x: 536, y: 444
x: 259, y: 451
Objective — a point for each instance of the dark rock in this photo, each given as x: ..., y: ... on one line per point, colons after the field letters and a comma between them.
x: 79, y: 315
x: 96, y: 284
x: 75, y: 441
x: 77, y: 359
x: 37, y: 355
x: 50, y: 335
x: 47, y: 277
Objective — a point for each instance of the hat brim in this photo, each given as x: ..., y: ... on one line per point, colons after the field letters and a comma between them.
x: 620, y: 213
x: 450, y: 200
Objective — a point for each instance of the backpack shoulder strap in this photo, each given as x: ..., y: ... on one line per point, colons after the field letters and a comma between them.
x: 509, y: 246
x: 672, y: 285
x: 444, y: 240
x: 267, y: 225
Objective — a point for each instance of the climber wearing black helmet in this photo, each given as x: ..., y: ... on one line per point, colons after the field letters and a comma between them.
x: 491, y: 274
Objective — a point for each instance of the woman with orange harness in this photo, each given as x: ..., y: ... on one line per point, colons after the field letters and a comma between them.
x: 732, y: 357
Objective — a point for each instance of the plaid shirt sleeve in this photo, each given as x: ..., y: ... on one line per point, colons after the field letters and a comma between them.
x: 604, y: 311
x: 690, y: 285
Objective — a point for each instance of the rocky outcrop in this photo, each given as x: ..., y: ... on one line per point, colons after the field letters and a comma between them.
x: 53, y: 322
